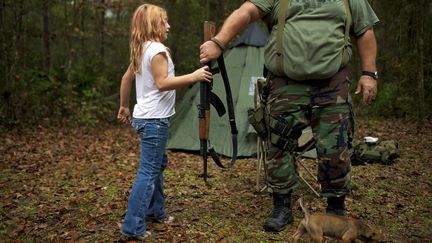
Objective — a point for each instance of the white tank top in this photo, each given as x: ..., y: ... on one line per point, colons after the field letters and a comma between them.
x: 152, y: 103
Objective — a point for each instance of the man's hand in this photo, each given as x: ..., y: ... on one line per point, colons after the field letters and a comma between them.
x: 209, y: 51
x: 238, y: 20
x: 124, y: 115
x: 368, y: 86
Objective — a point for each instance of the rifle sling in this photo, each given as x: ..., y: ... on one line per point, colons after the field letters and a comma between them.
x: 216, y: 102
x: 231, y: 116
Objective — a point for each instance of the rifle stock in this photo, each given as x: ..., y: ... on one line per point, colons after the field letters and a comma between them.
x: 204, y: 125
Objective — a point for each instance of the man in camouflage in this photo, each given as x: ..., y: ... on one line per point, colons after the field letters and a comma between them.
x: 326, y: 107
x: 304, y: 94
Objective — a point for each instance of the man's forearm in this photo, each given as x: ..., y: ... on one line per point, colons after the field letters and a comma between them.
x: 238, y: 21
x: 367, y: 49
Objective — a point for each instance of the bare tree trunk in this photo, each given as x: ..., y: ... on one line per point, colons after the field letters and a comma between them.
x: 68, y: 29
x: 16, y: 38
x: 207, y: 9
x: 221, y: 12
x: 421, y: 84
x: 4, y: 61
x: 2, y: 38
x: 18, y: 15
x: 2, y: 6
x: 46, y: 36
x: 82, y: 27
x: 67, y: 38
x: 100, y: 31
x: 118, y: 9
x: 11, y: 75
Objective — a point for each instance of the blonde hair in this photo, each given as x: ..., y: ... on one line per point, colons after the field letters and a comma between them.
x: 148, y: 24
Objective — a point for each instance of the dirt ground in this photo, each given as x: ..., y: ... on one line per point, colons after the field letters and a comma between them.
x: 71, y: 185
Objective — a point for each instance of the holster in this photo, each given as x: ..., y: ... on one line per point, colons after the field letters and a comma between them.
x: 257, y: 115
x: 279, y: 133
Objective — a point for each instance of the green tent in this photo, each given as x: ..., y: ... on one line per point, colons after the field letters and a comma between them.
x: 244, y: 62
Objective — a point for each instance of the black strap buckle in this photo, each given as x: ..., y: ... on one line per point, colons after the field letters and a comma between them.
x: 286, y: 143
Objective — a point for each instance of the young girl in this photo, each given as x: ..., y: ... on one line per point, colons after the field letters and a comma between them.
x: 153, y: 69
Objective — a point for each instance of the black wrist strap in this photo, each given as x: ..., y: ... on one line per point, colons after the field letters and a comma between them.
x: 370, y: 74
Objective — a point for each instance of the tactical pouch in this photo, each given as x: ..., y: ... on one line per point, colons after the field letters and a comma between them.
x: 257, y: 116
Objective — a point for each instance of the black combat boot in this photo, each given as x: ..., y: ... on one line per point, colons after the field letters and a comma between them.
x: 336, y: 205
x: 281, y: 215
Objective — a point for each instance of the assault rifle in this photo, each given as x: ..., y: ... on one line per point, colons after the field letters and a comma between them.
x: 207, y: 97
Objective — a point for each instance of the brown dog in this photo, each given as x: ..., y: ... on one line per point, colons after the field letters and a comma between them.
x: 339, y: 227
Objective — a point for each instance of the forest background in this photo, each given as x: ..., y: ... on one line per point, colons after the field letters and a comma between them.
x: 62, y: 61
x: 66, y: 165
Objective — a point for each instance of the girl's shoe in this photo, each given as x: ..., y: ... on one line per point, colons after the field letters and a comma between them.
x: 168, y: 219
x: 142, y: 237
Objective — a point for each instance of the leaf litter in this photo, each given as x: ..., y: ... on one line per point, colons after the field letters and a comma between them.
x: 72, y: 184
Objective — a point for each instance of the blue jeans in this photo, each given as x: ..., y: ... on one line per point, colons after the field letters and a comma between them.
x: 147, y: 195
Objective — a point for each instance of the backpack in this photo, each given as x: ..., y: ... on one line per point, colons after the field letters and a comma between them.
x: 283, y: 58
x: 384, y: 152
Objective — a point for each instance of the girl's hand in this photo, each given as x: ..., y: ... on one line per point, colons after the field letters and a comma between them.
x: 124, y: 115
x: 202, y: 74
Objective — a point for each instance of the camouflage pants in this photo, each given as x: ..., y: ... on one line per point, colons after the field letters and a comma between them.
x: 325, y: 106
